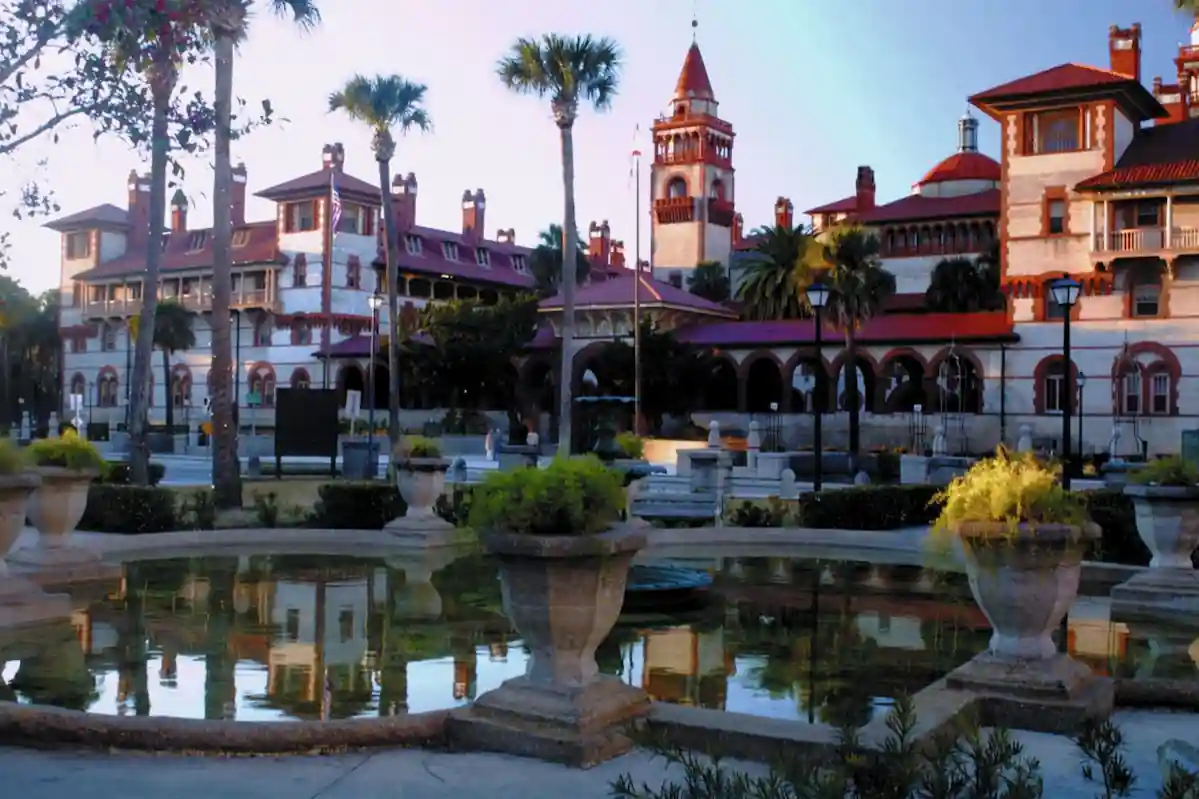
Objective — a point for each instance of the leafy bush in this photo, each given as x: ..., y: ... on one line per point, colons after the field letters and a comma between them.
x: 120, y: 473
x: 1171, y: 471
x: 631, y: 444
x: 129, y: 510
x: 1012, y: 490
x: 774, y: 513
x: 198, y: 511
x: 410, y: 447
x: 68, y: 452
x: 350, y: 505
x: 454, y: 507
x: 266, y: 509
x: 880, y: 507
x: 572, y: 496
x: 11, y: 461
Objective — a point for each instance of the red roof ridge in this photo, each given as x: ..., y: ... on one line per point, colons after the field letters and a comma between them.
x: 846, y: 204
x: 693, y: 79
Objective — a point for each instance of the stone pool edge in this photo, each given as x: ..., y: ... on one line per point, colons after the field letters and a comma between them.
x: 50, y: 727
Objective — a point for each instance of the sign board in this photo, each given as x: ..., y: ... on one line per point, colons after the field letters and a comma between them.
x: 353, y: 403
x: 306, y: 424
x: 253, y: 399
x: 1190, y: 446
x: 76, y: 402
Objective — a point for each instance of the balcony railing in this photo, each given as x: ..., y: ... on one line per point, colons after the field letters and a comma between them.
x: 1148, y: 239
x: 246, y: 298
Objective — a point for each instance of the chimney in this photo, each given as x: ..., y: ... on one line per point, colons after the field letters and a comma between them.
x: 333, y: 156
x: 738, y: 228
x: 784, y: 213
x: 600, y: 244
x: 179, y: 212
x: 403, y: 200
x: 1173, y: 99
x: 506, y: 236
x: 473, y: 207
x: 618, y: 259
x: 237, y: 206
x: 139, y: 211
x: 864, y: 188
x: 1124, y: 44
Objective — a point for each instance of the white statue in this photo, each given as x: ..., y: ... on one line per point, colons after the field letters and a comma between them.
x: 1113, y: 445
x: 753, y: 444
x: 1024, y: 442
x: 940, y: 444
x: 714, y: 434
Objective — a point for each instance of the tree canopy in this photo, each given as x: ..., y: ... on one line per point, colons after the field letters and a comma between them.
x: 545, y: 262
x: 775, y: 272
x: 710, y: 280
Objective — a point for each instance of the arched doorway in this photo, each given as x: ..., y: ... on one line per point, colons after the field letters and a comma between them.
x: 349, y: 378
x: 721, y: 392
x: 901, y: 383
x: 865, y: 384
x: 809, y: 386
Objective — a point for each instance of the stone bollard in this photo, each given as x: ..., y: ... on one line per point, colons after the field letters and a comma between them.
x: 753, y: 445
x: 1024, y: 442
x: 787, y: 487
x: 940, y: 444
x: 52, y: 425
x: 714, y: 434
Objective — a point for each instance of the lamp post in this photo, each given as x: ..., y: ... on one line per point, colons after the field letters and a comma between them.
x: 375, y: 301
x: 1082, y: 383
x: 817, y: 294
x: 1065, y: 293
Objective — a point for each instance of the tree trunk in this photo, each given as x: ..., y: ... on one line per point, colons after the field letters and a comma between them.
x: 162, y: 86
x: 569, y: 266
x: 226, y: 471
x: 393, y: 315
x: 851, y: 400
x: 168, y: 395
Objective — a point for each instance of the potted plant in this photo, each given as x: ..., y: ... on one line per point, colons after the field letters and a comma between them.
x: 67, y: 466
x: 1024, y: 537
x: 17, y: 482
x: 420, y: 474
x: 564, y: 561
x: 1165, y: 494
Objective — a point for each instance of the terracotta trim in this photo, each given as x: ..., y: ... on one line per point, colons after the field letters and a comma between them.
x: 1166, y: 361
x: 1051, y: 195
x: 1004, y: 214
x: 1109, y: 142
x: 1040, y: 373
x: 903, y: 352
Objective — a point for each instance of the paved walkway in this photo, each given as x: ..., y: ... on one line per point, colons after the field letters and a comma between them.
x: 435, y: 775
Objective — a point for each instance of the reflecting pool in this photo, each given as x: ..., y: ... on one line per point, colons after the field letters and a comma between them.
x: 296, y: 637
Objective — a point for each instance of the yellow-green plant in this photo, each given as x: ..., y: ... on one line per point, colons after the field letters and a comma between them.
x: 1011, y: 490
x: 572, y: 496
x: 68, y: 451
x: 11, y: 461
x: 416, y: 447
x: 631, y: 444
x: 1171, y: 471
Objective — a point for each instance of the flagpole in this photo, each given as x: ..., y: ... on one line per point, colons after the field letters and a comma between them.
x: 328, y: 274
x: 637, y: 429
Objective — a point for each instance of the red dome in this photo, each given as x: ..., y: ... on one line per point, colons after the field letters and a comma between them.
x: 963, y: 166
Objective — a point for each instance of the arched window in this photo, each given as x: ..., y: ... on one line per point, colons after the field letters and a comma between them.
x: 301, y: 332
x: 262, y: 384
x: 78, y: 384
x: 1054, y: 387
x: 676, y: 188
x: 107, y: 388
x: 109, y: 341
x: 181, y: 387
x: 300, y: 379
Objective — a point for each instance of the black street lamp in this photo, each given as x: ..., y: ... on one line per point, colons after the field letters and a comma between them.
x: 817, y: 294
x: 1065, y: 293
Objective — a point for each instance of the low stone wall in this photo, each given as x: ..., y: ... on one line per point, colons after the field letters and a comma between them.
x: 666, y: 450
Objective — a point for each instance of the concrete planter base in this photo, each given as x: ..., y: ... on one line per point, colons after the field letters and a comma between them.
x: 55, y: 509
x: 15, y: 491
x: 1168, y: 523
x: 1162, y: 594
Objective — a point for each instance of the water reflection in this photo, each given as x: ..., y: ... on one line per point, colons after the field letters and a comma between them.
x: 290, y: 637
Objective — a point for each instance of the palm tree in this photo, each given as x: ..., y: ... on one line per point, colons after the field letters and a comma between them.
x: 858, y: 287
x: 227, y: 20
x: 710, y: 280
x: 386, y: 102
x: 965, y: 285
x: 776, y: 271
x: 567, y: 70
x: 545, y: 262
x: 172, y: 333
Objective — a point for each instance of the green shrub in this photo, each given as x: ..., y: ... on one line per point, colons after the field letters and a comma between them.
x: 67, y: 452
x: 410, y: 447
x: 455, y: 506
x: 11, y: 461
x: 774, y: 513
x: 266, y: 509
x: 572, y: 496
x: 631, y: 444
x: 129, y: 510
x: 1113, y: 511
x: 350, y: 505
x: 1171, y: 471
x: 880, y: 507
x: 121, y: 473
x: 198, y: 511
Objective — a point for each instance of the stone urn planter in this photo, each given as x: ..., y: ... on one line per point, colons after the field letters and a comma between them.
x: 15, y: 490
x: 55, y: 509
x: 1168, y: 522
x: 421, y: 481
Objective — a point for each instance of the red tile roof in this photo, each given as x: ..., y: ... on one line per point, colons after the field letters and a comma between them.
x: 693, y: 80
x: 964, y: 166
x: 432, y: 259
x: 179, y: 252
x: 618, y: 293
x: 106, y: 214
x: 317, y: 182
x: 889, y: 328
x: 1072, y: 79
x: 1157, y: 156
x: 845, y: 206
x: 916, y: 207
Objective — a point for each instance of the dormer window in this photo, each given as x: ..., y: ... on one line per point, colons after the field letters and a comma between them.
x: 519, y: 265
x: 79, y: 245
x: 196, y: 240
x: 241, y: 238
x: 483, y: 258
x: 450, y: 250
x: 299, y: 217
x: 412, y: 244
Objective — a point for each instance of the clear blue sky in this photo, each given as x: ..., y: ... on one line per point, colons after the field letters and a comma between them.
x: 813, y: 89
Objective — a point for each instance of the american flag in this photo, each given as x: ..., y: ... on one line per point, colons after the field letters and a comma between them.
x: 334, y: 204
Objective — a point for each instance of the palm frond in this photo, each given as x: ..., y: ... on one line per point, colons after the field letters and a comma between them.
x: 565, y: 68
x: 383, y: 102
x: 304, y: 13
x: 859, y: 285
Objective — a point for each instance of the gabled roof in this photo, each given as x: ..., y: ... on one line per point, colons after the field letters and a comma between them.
x: 1157, y: 156
x: 917, y: 207
x: 693, y: 80
x: 318, y: 182
x: 845, y: 206
x: 106, y: 214
x: 888, y: 328
x: 179, y: 255
x: 618, y: 293
x: 1071, y: 80
x: 964, y: 166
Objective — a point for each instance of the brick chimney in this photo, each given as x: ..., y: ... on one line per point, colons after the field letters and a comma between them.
x: 599, y: 245
x: 237, y: 205
x: 139, y: 211
x: 403, y: 200
x: 179, y: 212
x: 618, y: 259
x: 738, y: 228
x: 473, y: 208
x: 1124, y: 44
x: 506, y: 236
x: 864, y: 188
x: 784, y: 213
x: 333, y: 156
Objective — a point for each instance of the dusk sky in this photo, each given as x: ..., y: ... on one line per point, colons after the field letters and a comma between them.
x: 813, y: 89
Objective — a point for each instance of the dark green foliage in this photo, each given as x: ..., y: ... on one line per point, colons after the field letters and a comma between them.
x: 129, y: 510
x: 118, y: 473
x: 545, y: 262
x: 747, y: 514
x: 964, y: 285
x: 198, y: 511
x: 1113, y: 512
x: 347, y: 505
x: 869, y: 508
x: 710, y: 280
x: 1101, y: 744
x: 454, y: 507
x: 266, y: 509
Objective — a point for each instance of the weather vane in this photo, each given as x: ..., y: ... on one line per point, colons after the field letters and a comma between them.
x: 694, y: 19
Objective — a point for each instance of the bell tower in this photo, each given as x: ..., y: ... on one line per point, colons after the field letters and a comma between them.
x: 691, y: 180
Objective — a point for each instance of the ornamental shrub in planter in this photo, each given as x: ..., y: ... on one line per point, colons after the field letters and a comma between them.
x: 130, y: 510
x: 420, y: 474
x: 1165, y: 494
x: 17, y: 483
x: 67, y: 466
x: 349, y: 505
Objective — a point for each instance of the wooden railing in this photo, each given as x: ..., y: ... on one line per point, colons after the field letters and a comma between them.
x: 245, y: 298
x: 1148, y: 239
